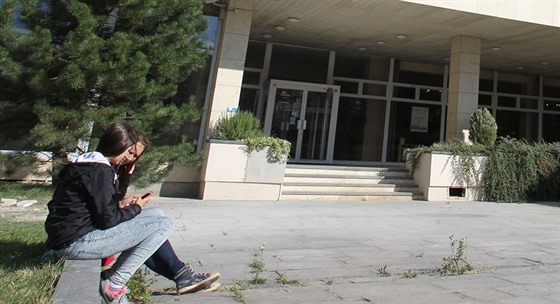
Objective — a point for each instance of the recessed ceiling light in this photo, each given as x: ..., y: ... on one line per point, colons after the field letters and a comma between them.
x: 545, y: 63
x: 279, y: 28
x: 266, y: 36
x: 361, y: 49
x: 519, y: 68
x: 496, y: 48
x: 380, y: 42
x: 401, y: 36
x: 293, y: 19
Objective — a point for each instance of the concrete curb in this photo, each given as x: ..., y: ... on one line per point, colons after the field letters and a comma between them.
x: 78, y: 283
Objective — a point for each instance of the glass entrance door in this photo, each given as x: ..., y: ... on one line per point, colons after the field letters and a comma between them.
x: 305, y: 115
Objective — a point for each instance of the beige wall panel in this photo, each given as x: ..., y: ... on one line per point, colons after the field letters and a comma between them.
x: 238, y: 22
x: 229, y: 77
x: 545, y: 12
x: 234, y: 47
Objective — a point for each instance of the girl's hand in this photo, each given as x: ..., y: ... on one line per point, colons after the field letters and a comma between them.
x: 142, y: 201
x: 126, y: 202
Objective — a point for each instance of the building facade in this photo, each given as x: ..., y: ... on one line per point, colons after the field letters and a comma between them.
x: 357, y: 82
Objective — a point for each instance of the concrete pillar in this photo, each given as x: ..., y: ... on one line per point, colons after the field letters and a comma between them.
x: 230, y: 61
x: 464, y: 72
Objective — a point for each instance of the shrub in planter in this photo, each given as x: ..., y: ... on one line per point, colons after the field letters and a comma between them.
x: 517, y: 171
x: 279, y: 148
x: 238, y: 126
x: 483, y: 128
x: 246, y: 127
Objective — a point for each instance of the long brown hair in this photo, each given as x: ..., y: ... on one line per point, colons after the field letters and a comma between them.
x: 116, y: 134
x: 117, y: 138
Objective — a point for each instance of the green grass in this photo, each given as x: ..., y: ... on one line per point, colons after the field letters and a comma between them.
x: 40, y: 192
x: 23, y: 278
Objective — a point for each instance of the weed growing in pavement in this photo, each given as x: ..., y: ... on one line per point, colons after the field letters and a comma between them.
x: 139, y: 292
x: 257, y: 266
x: 281, y: 279
x: 409, y: 274
x: 457, y: 262
x: 237, y: 290
x: 329, y: 281
x: 383, y: 272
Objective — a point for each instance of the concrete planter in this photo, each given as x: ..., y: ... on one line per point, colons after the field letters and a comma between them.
x: 183, y: 181
x: 229, y: 173
x: 440, y: 178
x: 39, y: 171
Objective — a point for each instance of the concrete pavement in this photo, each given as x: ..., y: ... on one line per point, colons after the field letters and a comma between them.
x: 338, y: 251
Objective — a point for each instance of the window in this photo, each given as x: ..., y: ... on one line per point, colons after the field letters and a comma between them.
x: 359, y: 129
x: 418, y: 73
x: 361, y: 67
x: 518, y: 84
x: 299, y: 64
x: 255, y: 55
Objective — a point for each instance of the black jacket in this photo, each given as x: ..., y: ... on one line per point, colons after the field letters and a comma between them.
x: 84, y: 200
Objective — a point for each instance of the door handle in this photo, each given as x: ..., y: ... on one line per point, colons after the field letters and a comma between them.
x: 301, y: 124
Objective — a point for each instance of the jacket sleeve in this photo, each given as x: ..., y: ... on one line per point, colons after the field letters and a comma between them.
x: 124, y: 177
x: 104, y: 202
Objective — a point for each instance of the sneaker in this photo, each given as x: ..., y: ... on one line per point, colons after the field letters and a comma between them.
x: 112, y: 297
x: 195, y: 282
x: 211, y: 287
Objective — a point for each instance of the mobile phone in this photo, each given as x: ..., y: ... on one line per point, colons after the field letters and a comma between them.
x: 147, y: 195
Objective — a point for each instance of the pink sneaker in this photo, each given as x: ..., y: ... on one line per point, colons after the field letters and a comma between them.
x: 111, y: 296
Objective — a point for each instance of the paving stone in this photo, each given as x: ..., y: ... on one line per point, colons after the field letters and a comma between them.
x: 26, y: 203
x: 8, y: 202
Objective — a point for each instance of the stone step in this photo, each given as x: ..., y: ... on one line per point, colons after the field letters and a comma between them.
x: 347, y: 180
x: 343, y: 171
x: 354, y: 197
x: 308, y: 186
x: 317, y: 182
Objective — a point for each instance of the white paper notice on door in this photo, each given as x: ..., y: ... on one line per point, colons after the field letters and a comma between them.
x: 419, y: 119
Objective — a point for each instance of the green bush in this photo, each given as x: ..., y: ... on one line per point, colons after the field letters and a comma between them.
x: 517, y: 171
x: 239, y: 126
x: 279, y: 148
x: 483, y: 128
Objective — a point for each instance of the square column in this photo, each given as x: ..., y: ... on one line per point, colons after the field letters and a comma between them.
x: 464, y: 74
x: 230, y: 63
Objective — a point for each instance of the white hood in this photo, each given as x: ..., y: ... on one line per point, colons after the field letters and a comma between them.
x: 92, y: 157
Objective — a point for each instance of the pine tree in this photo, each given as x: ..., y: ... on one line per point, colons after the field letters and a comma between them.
x: 84, y: 63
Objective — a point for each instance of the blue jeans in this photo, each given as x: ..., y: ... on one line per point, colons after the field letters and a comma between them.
x: 136, y: 239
